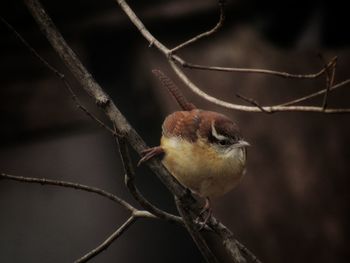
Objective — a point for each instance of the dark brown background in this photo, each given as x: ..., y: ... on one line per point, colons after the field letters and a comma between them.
x: 291, y: 206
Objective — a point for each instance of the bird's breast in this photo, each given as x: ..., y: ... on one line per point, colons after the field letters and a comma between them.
x: 200, y: 167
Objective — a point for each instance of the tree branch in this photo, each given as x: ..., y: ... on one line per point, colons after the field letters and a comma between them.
x: 254, y: 71
x: 131, y: 220
x: 44, y: 181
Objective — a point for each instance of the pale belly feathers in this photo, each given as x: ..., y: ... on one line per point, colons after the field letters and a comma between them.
x: 201, y: 168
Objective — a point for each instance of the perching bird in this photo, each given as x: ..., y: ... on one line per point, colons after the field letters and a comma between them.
x: 204, y: 150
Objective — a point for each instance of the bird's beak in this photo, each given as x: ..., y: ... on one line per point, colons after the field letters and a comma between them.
x: 241, y: 143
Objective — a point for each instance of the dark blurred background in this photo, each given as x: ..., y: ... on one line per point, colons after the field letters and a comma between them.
x: 292, y: 204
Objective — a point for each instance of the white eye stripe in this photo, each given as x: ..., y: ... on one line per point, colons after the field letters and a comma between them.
x: 215, y: 133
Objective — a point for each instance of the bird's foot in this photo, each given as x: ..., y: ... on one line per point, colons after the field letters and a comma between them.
x: 204, y: 214
x: 150, y: 153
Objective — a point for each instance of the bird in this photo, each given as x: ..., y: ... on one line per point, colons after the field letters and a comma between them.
x: 204, y: 150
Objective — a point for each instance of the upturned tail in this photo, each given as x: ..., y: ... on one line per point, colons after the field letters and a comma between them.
x: 174, y: 90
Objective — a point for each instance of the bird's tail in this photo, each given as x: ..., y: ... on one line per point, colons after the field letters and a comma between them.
x: 174, y: 90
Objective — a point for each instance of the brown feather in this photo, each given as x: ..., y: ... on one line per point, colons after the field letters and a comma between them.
x: 191, y: 124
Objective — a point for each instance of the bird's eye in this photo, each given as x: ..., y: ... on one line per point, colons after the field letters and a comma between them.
x: 224, y: 142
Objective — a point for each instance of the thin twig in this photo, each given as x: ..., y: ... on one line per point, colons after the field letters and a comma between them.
x: 330, y: 73
x: 88, y: 113
x: 31, y: 49
x: 131, y: 220
x: 205, y: 34
x: 254, y: 71
x: 315, y: 94
x: 253, y: 102
x: 44, y: 181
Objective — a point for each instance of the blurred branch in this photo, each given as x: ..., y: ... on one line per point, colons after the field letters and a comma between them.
x: 131, y: 220
x: 175, y: 60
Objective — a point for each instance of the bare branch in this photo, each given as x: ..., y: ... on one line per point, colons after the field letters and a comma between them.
x: 205, y: 34
x: 131, y: 220
x: 326, y: 67
x: 44, y: 181
x: 254, y: 71
x: 174, y: 58
x: 88, y: 113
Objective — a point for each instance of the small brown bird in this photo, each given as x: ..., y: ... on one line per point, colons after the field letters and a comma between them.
x: 204, y: 150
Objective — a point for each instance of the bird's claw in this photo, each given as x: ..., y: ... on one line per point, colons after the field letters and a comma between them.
x: 204, y: 214
x: 150, y: 153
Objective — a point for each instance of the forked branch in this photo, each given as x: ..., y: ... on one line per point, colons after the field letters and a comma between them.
x: 205, y: 34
